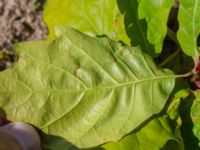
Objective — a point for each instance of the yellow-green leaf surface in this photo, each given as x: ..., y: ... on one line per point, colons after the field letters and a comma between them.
x: 160, y: 128
x: 153, y: 136
x: 156, y: 13
x: 94, y: 17
x: 195, y: 114
x: 173, y: 109
x: 86, y: 90
x: 189, y: 26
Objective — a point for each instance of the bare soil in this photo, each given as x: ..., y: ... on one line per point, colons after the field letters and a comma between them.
x: 20, y: 20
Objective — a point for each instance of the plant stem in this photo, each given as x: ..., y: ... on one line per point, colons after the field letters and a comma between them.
x: 169, y: 58
x: 196, y: 64
x: 172, y: 36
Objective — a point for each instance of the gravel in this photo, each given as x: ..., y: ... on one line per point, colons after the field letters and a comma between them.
x: 20, y: 20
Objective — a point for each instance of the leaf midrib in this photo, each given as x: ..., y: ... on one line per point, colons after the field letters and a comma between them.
x: 103, y: 87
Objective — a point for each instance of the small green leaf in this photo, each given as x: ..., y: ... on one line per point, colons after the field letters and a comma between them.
x: 156, y: 13
x: 99, y: 17
x: 195, y: 114
x: 86, y: 90
x: 189, y: 26
x: 173, y: 110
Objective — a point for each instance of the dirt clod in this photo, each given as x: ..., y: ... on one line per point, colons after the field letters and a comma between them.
x: 19, y: 21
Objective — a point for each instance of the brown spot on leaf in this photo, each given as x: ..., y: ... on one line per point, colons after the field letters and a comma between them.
x: 194, y: 120
x: 66, y: 50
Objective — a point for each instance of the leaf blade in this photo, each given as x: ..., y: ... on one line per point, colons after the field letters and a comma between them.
x: 188, y: 32
x: 156, y: 14
x: 91, y: 17
x: 134, y: 26
x: 83, y: 98
x: 195, y: 116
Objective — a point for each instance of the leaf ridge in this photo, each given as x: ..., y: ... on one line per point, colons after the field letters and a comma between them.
x: 81, y: 49
x: 148, y: 67
x: 100, y: 116
x: 124, y: 63
x: 129, y: 112
x: 60, y: 117
x: 59, y: 68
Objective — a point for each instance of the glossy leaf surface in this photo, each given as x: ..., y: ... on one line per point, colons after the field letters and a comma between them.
x: 156, y: 13
x: 86, y: 90
x: 189, y: 26
x: 99, y: 17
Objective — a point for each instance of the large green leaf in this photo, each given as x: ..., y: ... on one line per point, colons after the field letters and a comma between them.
x: 156, y: 13
x: 87, y: 90
x: 195, y: 114
x: 189, y: 26
x: 92, y: 17
x: 136, y: 28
